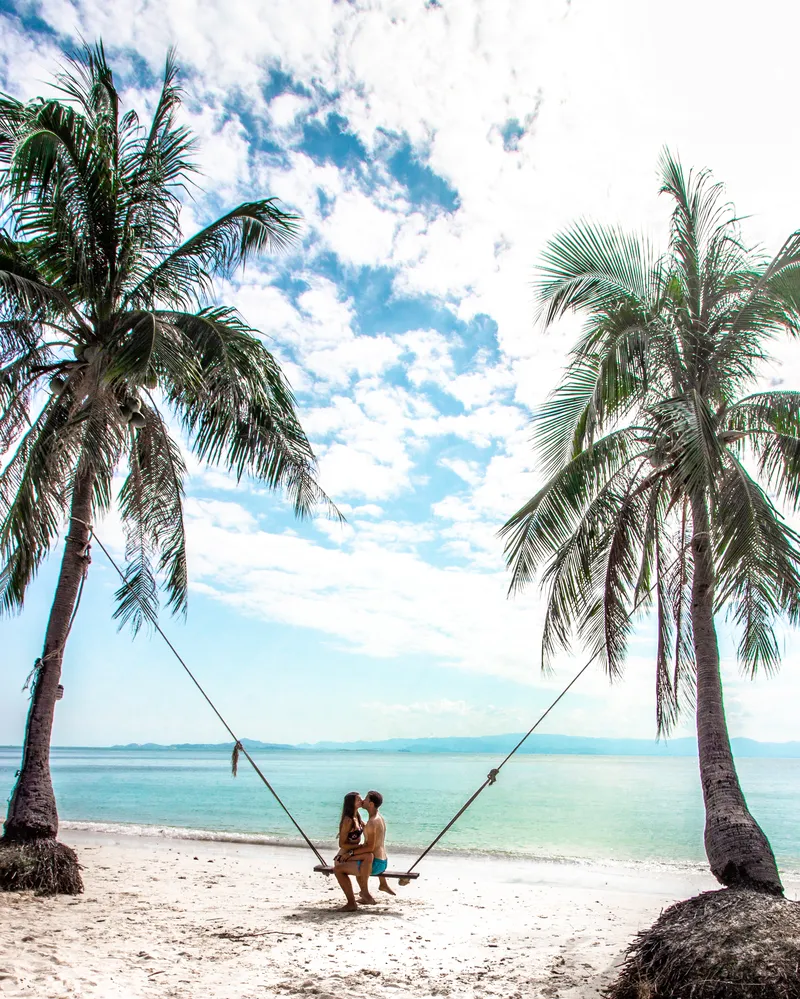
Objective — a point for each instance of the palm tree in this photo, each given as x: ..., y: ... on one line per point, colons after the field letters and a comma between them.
x: 102, y: 304
x: 656, y: 466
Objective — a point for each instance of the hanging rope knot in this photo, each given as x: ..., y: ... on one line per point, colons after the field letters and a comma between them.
x: 237, y: 748
x: 493, y: 775
x: 30, y: 681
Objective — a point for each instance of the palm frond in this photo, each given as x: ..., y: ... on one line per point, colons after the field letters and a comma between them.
x: 679, y: 583
x: 626, y: 535
x: 184, y: 277
x: 243, y: 417
x: 600, y: 386
x: 540, y: 527
x: 769, y: 423
x: 34, y: 488
x: 667, y: 701
x: 23, y: 291
x: 151, y: 504
x: 22, y: 357
x: 148, y: 347
x: 590, y: 266
x: 155, y: 168
x: 576, y: 577
x: 698, y: 219
x: 758, y: 566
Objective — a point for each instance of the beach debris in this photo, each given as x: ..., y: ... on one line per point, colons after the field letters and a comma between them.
x: 734, y: 943
x: 246, y: 934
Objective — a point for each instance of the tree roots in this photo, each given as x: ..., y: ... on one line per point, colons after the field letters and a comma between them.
x: 730, y: 944
x: 42, y: 865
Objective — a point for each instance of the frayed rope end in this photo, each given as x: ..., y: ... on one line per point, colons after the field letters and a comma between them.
x: 238, y: 748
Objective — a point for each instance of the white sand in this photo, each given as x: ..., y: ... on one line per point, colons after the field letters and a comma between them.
x: 209, y: 920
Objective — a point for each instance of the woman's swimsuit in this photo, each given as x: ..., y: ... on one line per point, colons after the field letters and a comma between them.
x: 354, y: 836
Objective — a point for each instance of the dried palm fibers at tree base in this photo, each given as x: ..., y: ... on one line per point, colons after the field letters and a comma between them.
x: 42, y: 866
x: 730, y: 944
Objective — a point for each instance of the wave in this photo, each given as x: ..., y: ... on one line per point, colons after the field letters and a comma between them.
x: 403, y: 849
x: 178, y: 832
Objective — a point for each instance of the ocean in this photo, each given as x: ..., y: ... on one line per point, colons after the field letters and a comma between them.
x: 579, y: 808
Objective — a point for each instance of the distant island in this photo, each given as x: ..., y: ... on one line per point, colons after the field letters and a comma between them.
x: 501, y: 744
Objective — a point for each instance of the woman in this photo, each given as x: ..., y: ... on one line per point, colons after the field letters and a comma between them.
x: 351, y: 828
x: 352, y: 858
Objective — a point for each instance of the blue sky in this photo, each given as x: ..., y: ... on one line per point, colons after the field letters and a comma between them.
x: 432, y: 149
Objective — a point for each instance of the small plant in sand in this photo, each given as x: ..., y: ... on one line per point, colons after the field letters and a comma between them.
x: 105, y: 334
x: 657, y: 452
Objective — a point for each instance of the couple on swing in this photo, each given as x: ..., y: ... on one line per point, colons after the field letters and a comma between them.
x: 357, y: 858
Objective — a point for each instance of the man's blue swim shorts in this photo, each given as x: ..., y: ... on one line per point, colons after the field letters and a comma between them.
x: 378, y: 866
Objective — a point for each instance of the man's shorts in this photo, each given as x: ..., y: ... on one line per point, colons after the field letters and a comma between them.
x: 378, y: 866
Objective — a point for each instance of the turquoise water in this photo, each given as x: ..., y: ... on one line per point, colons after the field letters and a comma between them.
x: 583, y: 807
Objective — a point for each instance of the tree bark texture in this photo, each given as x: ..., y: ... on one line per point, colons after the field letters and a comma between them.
x: 32, y: 810
x: 738, y: 851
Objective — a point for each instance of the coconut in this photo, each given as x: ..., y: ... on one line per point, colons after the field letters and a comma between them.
x: 730, y: 944
x: 137, y: 420
x: 126, y: 413
x: 57, y: 384
x: 80, y: 351
x: 134, y: 404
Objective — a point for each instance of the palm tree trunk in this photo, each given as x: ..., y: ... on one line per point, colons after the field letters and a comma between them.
x: 738, y: 851
x: 32, y: 813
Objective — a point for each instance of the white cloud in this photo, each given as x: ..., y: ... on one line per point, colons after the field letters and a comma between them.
x: 441, y: 707
x: 469, y: 471
x: 376, y: 597
x: 359, y: 231
x: 431, y: 357
x: 285, y: 108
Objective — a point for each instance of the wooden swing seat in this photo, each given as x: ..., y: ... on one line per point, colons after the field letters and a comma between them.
x: 325, y: 869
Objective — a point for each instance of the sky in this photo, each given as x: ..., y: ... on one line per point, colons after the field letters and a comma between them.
x: 432, y: 149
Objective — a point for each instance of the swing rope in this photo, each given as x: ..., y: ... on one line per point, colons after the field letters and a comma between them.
x: 493, y: 774
x: 238, y: 747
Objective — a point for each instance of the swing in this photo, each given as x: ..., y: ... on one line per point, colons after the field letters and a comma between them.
x: 402, y: 877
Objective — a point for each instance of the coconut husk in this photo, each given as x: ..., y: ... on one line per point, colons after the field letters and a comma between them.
x: 43, y: 866
x: 730, y: 944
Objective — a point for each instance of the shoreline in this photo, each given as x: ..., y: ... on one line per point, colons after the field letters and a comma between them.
x: 168, y: 833
x: 189, y: 918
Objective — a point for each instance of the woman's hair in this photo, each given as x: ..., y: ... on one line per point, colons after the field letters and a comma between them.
x: 349, y: 806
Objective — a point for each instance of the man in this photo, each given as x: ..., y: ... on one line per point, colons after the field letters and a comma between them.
x: 368, y: 859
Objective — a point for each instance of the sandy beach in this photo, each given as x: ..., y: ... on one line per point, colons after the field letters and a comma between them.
x: 183, y: 918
